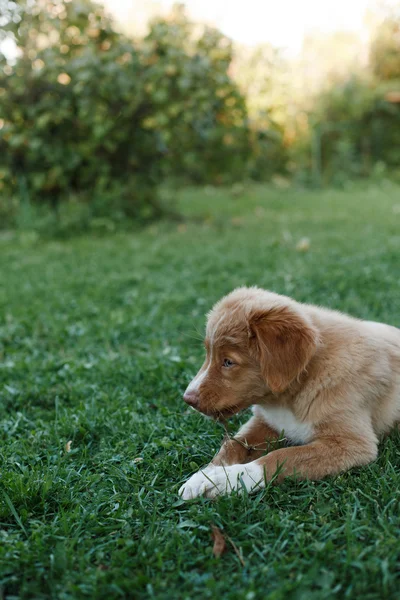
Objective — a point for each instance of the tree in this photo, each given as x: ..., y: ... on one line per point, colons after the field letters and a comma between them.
x: 73, y: 107
x: 198, y: 109
x: 385, y: 50
x: 90, y: 113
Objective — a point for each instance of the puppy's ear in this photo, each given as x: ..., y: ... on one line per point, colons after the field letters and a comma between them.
x: 283, y: 343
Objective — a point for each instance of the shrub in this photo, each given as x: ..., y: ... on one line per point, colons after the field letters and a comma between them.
x: 198, y: 109
x: 73, y: 107
x: 355, y: 127
x: 385, y: 50
x: 90, y: 114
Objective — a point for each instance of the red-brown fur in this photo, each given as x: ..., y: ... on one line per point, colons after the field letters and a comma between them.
x: 331, y: 375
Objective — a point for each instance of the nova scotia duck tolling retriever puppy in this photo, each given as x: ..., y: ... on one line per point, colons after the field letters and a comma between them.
x: 327, y: 382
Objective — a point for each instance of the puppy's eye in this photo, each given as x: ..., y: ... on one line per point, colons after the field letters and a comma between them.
x: 228, y: 363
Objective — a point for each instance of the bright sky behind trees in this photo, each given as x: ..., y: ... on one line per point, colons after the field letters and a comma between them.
x: 283, y: 23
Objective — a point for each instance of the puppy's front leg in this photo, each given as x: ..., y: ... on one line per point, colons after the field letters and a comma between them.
x: 248, y: 444
x: 327, y: 455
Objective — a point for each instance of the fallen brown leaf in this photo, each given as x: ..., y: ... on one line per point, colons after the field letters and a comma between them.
x: 219, y: 546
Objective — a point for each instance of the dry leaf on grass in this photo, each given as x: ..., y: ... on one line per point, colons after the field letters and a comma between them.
x: 68, y: 446
x: 219, y: 546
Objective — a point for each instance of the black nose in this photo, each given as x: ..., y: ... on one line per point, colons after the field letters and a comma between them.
x: 191, y: 398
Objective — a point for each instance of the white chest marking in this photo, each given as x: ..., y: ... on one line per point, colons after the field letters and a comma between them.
x: 282, y: 419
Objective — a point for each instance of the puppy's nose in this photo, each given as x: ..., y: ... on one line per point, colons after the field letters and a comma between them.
x: 191, y: 397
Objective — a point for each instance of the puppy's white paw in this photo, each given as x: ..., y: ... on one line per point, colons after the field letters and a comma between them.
x: 195, y: 486
x: 215, y: 481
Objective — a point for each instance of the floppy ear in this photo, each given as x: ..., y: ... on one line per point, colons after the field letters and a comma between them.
x: 283, y: 342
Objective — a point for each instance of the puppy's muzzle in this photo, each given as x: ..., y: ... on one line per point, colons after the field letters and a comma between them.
x: 191, y: 397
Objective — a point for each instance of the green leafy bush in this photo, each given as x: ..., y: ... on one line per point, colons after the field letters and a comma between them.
x: 88, y: 114
x: 354, y: 128
x: 92, y: 122
x: 198, y: 109
x: 385, y: 50
x: 73, y: 107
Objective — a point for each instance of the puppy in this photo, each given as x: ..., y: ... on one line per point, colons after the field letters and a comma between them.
x: 328, y: 382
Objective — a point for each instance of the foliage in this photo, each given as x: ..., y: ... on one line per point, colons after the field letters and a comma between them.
x: 385, y: 50
x: 85, y: 111
x: 72, y: 105
x: 263, y: 76
x: 269, y: 154
x: 92, y: 122
x: 354, y: 128
x: 326, y: 116
x: 356, y: 118
x: 98, y: 339
x: 199, y: 111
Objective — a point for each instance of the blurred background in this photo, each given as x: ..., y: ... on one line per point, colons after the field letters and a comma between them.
x: 107, y: 108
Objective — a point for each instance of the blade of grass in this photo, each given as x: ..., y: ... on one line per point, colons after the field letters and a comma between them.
x: 14, y: 512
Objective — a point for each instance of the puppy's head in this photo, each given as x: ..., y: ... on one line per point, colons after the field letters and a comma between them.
x: 257, y: 343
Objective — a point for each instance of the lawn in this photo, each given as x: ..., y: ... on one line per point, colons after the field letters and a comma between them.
x: 99, y: 337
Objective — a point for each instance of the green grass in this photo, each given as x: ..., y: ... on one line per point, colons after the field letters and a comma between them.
x: 98, y: 339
